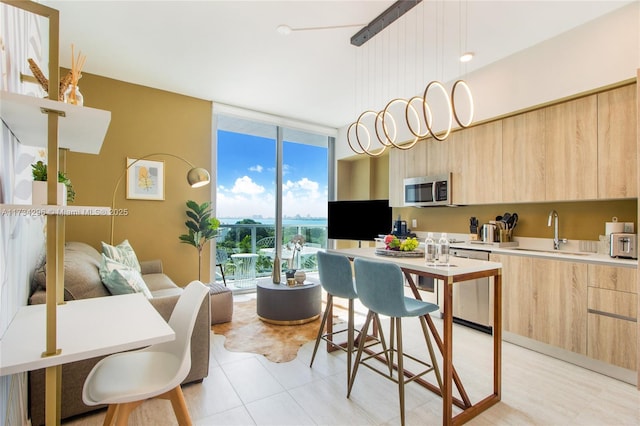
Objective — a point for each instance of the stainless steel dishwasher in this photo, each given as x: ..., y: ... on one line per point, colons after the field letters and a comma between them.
x: 472, y: 300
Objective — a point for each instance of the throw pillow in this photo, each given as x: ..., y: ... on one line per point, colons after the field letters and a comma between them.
x: 122, y: 253
x: 122, y: 279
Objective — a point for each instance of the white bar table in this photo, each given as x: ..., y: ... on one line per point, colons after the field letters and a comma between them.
x: 458, y: 270
x: 86, y: 328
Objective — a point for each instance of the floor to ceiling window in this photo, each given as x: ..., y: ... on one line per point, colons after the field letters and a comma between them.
x: 271, y: 198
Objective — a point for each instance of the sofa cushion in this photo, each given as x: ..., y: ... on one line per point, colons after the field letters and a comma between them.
x: 122, y: 253
x: 82, y: 280
x: 122, y: 279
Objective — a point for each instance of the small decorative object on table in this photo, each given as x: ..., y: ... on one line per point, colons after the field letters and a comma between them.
x: 295, y: 245
x: 401, y: 248
x: 299, y: 277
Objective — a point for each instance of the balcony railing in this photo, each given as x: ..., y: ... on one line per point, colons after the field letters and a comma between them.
x: 258, y: 239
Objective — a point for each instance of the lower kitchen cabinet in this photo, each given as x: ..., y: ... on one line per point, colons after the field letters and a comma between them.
x: 613, y: 312
x: 545, y: 300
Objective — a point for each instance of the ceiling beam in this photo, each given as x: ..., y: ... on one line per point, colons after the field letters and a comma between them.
x: 383, y: 20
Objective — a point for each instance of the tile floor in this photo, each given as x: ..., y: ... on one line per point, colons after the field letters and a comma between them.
x: 246, y: 389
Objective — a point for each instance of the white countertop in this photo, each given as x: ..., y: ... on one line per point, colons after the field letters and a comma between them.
x: 540, y: 247
x: 456, y: 266
x: 568, y: 255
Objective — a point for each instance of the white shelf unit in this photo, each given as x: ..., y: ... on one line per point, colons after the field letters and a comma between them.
x: 81, y: 129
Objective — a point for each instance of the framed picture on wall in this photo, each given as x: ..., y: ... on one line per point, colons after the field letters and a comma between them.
x: 145, y: 179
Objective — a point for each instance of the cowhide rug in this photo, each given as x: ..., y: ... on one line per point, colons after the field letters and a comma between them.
x: 278, y: 343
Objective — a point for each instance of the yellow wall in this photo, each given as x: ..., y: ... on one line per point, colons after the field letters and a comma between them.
x: 143, y: 121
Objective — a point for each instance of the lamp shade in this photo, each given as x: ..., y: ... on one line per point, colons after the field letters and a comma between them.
x: 198, y: 177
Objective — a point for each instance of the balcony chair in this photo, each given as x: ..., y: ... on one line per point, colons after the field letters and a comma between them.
x: 125, y: 380
x: 221, y: 259
x: 380, y: 287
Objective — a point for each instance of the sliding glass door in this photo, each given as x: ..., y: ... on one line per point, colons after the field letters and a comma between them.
x: 271, y: 196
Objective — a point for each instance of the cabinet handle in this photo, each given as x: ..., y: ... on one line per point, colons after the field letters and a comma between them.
x: 611, y: 315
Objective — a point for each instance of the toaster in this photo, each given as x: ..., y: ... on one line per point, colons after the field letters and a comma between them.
x: 624, y: 245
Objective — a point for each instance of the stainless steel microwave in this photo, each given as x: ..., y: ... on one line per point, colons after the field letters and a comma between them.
x: 428, y: 191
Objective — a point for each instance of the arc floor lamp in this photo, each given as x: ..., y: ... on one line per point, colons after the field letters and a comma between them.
x: 196, y: 176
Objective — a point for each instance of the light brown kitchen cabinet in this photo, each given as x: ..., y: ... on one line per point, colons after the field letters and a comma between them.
x: 523, y: 157
x: 571, y: 154
x: 476, y: 162
x: 617, y: 143
x: 405, y: 164
x: 613, y: 313
x: 545, y: 300
x: 396, y: 175
x: 437, y: 154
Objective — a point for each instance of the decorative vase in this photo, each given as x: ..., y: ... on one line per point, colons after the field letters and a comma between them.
x: 275, y: 274
x: 299, y: 276
x: 39, y: 193
x: 73, y: 96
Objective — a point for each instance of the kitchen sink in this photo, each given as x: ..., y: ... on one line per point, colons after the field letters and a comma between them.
x: 573, y: 253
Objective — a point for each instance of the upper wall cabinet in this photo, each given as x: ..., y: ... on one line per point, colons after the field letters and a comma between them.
x: 617, y: 143
x: 81, y: 129
x: 404, y: 164
x: 476, y: 164
x: 523, y: 157
x: 571, y: 150
x: 396, y: 175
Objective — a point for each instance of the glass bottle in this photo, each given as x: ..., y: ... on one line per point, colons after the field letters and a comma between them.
x: 431, y: 252
x: 73, y: 96
x: 443, y: 246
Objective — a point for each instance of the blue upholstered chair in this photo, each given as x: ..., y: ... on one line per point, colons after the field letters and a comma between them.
x: 337, y: 280
x: 380, y: 287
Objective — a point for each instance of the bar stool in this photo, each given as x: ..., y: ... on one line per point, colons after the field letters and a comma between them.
x: 380, y: 287
x: 336, y: 279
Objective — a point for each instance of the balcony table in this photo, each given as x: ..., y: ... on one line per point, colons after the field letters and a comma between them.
x: 459, y: 269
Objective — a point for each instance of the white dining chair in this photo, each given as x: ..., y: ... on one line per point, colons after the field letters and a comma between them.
x: 125, y: 380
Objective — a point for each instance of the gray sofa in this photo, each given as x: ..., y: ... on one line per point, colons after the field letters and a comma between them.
x: 82, y: 281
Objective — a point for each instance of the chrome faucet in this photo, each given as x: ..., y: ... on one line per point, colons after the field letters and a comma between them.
x: 553, y: 215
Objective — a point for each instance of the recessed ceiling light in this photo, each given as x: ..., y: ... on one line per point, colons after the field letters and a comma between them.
x: 466, y: 57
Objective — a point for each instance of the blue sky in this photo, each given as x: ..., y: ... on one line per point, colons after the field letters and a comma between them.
x: 246, y: 178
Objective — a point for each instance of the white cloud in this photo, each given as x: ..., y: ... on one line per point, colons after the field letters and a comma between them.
x: 257, y: 168
x: 245, y: 185
x: 247, y: 199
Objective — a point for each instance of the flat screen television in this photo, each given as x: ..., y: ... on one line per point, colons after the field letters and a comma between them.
x: 360, y: 220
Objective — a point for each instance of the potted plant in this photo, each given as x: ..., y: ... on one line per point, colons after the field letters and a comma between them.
x: 201, y: 226
x: 39, y: 194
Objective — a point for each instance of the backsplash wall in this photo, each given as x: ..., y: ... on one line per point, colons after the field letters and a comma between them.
x: 579, y: 220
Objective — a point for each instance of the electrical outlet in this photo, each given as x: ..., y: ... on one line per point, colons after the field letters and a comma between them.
x: 414, y: 223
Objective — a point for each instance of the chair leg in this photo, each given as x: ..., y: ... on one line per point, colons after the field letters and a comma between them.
x: 398, y: 322
x: 364, y: 330
x: 112, y: 412
x: 391, y: 346
x: 224, y: 280
x: 179, y: 405
x: 322, y: 325
x: 432, y: 354
x: 123, y: 411
x: 350, y: 338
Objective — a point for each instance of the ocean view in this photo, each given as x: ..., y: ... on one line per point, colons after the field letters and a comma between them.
x: 271, y: 221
